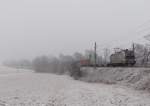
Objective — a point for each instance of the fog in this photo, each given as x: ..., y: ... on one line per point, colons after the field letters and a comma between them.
x: 29, y: 28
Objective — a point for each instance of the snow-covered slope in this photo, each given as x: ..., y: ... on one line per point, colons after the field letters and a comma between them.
x: 138, y: 78
x: 34, y: 89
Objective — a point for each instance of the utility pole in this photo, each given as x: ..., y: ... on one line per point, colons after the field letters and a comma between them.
x: 133, y: 46
x: 95, y: 55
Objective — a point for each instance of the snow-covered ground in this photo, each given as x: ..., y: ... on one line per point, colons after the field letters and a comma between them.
x: 25, y: 88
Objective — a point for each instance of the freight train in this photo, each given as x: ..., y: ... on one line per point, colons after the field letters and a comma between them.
x: 119, y: 58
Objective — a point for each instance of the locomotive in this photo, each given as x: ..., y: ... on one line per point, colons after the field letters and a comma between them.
x: 123, y: 58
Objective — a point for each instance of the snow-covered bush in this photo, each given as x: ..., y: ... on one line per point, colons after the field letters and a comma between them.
x: 143, y: 84
x: 61, y: 65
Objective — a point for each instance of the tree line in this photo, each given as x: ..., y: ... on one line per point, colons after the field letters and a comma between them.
x: 66, y: 64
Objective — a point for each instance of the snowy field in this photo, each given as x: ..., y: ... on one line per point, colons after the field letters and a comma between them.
x: 26, y: 88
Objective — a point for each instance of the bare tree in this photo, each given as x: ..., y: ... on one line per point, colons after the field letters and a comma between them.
x: 78, y: 56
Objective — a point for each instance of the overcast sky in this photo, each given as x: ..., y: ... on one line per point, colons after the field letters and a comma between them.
x: 36, y: 27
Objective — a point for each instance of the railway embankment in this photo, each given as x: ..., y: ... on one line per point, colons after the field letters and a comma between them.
x: 138, y: 78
